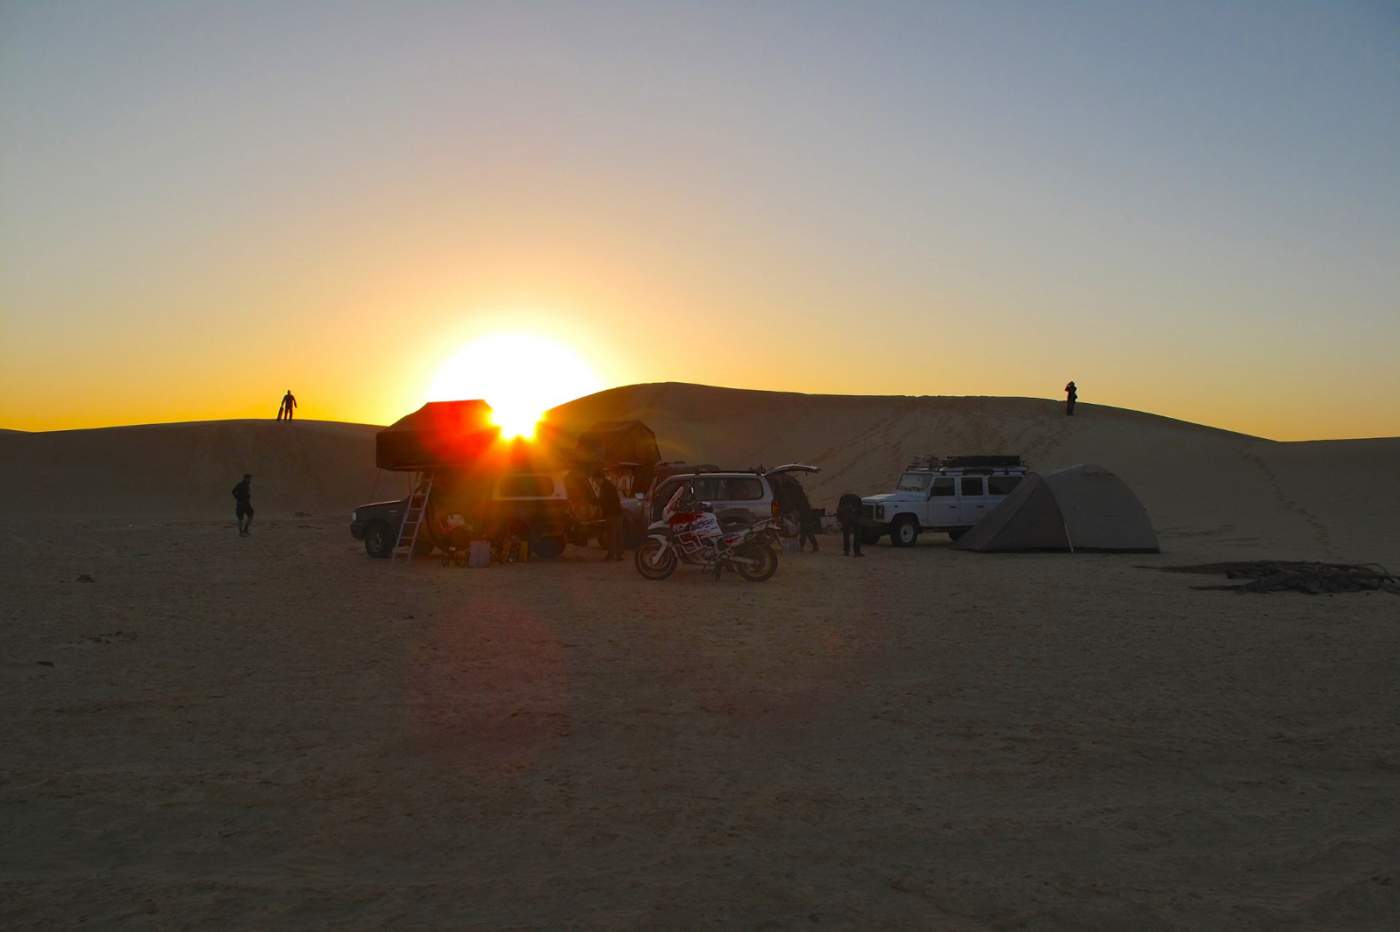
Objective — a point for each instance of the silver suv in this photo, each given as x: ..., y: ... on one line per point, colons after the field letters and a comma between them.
x: 738, y: 497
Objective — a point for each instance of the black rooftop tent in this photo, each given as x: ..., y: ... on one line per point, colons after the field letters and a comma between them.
x: 619, y: 442
x: 439, y: 434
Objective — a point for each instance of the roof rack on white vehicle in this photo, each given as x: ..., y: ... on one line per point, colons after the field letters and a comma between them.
x: 987, y: 461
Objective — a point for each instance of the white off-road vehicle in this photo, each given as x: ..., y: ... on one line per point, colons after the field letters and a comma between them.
x: 939, y: 494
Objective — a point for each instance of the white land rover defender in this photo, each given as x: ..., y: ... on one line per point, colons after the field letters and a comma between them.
x: 939, y: 494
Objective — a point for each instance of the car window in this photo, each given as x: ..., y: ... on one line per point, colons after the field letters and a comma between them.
x: 1002, y: 485
x: 525, y: 486
x: 942, y: 487
x: 709, y: 489
x: 913, y: 482
x: 972, y: 485
x: 743, y: 489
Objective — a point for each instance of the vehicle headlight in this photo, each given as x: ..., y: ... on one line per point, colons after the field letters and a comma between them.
x: 354, y: 516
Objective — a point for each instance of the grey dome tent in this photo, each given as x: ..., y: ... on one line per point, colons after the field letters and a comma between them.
x: 1083, y: 507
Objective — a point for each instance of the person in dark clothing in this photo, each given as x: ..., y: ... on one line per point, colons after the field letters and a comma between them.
x: 848, y: 513
x: 807, y: 520
x: 1071, y: 395
x: 611, y: 505
x: 243, y: 504
x: 289, y: 401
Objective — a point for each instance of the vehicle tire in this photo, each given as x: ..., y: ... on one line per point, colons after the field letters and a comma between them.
x: 905, y: 532
x: 766, y: 559
x: 547, y: 548
x: 956, y: 533
x: 870, y: 536
x: 652, y: 563
x: 380, y: 540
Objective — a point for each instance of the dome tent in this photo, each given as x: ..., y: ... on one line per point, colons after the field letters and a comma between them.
x: 1082, y: 507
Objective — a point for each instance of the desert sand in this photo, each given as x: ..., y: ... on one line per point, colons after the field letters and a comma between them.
x: 277, y: 732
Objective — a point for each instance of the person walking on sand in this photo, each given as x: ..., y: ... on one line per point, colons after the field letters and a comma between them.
x: 848, y: 513
x: 611, y: 505
x: 289, y: 401
x: 1071, y: 395
x: 243, y: 504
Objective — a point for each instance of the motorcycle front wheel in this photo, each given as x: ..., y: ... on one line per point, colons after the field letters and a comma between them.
x: 760, y: 563
x: 654, y: 559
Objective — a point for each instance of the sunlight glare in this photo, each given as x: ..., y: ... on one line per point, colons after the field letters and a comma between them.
x: 519, y: 374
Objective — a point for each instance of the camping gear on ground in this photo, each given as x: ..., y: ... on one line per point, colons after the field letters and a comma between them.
x: 1297, y: 576
x: 1084, y: 507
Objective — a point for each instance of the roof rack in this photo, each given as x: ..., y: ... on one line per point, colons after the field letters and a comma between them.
x: 979, y: 461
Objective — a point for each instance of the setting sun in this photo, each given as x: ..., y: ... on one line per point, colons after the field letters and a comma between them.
x: 519, y: 374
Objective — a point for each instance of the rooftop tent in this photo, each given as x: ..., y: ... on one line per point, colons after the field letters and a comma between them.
x: 619, y: 442
x: 1080, y: 508
x: 441, y: 433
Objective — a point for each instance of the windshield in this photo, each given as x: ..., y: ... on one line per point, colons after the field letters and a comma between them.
x: 913, y: 482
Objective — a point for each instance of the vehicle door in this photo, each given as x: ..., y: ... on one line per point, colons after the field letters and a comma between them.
x: 943, y: 508
x: 662, y: 495
x: 746, y: 499
x: 973, y: 501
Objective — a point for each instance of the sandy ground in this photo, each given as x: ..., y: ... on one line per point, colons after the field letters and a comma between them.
x: 278, y: 732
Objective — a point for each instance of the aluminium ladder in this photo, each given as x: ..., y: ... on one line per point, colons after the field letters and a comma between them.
x: 414, y: 513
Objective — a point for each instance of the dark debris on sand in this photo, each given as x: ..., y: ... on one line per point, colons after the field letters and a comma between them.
x: 1297, y: 576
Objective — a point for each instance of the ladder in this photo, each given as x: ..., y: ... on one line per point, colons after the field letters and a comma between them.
x: 414, y: 512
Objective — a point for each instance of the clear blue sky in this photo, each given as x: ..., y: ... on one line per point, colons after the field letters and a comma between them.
x: 1191, y: 208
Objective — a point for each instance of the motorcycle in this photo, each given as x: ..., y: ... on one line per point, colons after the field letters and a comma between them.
x: 695, y: 537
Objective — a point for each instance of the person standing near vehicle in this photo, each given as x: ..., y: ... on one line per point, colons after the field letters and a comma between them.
x: 1071, y: 396
x: 243, y: 504
x: 611, y: 506
x: 289, y: 401
x: 848, y: 513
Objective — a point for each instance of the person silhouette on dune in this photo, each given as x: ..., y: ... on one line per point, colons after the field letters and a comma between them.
x: 1071, y: 396
x: 289, y: 401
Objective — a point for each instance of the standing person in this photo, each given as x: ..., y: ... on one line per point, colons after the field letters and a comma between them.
x: 807, y: 520
x: 611, y: 506
x: 848, y: 513
x: 1071, y: 395
x: 243, y: 504
x: 289, y: 401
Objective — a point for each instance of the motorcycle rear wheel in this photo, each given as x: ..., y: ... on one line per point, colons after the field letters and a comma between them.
x: 654, y: 560
x: 763, y: 563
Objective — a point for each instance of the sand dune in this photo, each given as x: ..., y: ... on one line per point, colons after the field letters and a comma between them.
x: 188, y: 469
x: 1326, y: 499
x: 1314, y: 500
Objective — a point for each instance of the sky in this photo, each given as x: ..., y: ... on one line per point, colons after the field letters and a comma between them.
x: 1189, y: 208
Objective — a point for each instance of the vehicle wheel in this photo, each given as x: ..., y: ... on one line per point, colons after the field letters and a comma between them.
x: 870, y: 536
x: 765, y: 563
x: 652, y: 562
x: 546, y: 548
x: 905, y: 532
x: 379, y: 540
x: 957, y: 533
